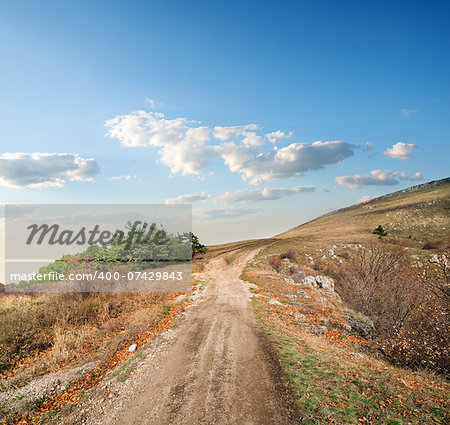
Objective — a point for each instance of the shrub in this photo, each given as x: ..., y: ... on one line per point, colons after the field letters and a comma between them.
x: 296, y: 274
x: 32, y: 324
x: 432, y: 245
x: 410, y: 307
x: 276, y: 262
x: 376, y: 282
x: 290, y: 255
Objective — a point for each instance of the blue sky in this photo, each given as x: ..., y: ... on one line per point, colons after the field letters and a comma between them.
x: 339, y: 73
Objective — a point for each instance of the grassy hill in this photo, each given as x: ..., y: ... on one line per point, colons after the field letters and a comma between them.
x: 422, y: 212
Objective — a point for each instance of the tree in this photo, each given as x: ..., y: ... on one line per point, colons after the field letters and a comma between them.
x: 197, y: 247
x: 379, y: 231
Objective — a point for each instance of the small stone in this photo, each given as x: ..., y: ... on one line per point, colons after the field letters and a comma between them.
x: 347, y: 327
x: 357, y: 355
x: 275, y: 302
x: 132, y: 348
x: 300, y: 317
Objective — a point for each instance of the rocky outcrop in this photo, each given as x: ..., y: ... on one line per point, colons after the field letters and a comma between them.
x: 360, y: 325
x: 322, y: 282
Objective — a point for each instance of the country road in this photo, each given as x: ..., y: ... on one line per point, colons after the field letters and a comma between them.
x: 215, y: 367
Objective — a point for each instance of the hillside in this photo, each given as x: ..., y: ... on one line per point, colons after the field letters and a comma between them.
x: 422, y: 212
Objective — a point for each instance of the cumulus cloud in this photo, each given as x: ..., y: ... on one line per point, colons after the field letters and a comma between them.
x: 290, y: 161
x: 375, y: 178
x: 227, y: 133
x: 188, y: 148
x: 417, y: 177
x: 188, y: 199
x: 275, y: 136
x: 248, y: 196
x: 400, y: 150
x: 245, y: 132
x: 406, y: 113
x: 182, y: 143
x: 222, y: 213
x: 44, y: 169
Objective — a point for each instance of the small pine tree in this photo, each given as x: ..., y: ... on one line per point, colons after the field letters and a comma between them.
x: 197, y: 247
x: 379, y: 231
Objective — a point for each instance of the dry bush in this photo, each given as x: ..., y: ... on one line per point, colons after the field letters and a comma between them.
x: 296, y: 274
x: 408, y: 307
x: 432, y: 245
x: 290, y: 255
x: 31, y: 324
x: 437, y: 277
x: 276, y: 262
x: 422, y: 342
x: 378, y: 282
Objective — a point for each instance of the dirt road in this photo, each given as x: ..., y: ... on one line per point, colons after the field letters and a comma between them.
x: 214, y: 368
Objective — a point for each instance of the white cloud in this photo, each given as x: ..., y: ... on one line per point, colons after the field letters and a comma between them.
x: 400, y: 150
x: 182, y: 143
x: 290, y: 161
x: 222, y: 213
x: 44, y: 169
x: 227, y: 133
x: 375, y: 178
x: 417, y: 177
x: 366, y: 198
x: 248, y: 196
x: 406, y: 113
x: 275, y: 136
x: 151, y: 102
x: 124, y: 177
x: 187, y: 148
x: 188, y: 199
x: 245, y: 132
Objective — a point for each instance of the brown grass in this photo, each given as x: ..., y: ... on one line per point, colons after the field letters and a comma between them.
x: 39, y: 334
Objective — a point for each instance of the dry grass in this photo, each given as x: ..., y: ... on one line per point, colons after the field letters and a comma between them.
x: 422, y: 214
x: 40, y: 334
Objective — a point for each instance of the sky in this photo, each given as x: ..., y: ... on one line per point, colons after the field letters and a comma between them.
x: 263, y: 115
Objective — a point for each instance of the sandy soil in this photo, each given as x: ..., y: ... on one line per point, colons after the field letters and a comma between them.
x: 215, y: 367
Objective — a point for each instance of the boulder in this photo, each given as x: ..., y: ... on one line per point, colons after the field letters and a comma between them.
x: 360, y: 325
x: 325, y: 283
x: 309, y: 280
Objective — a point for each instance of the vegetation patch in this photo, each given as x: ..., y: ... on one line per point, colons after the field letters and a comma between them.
x: 333, y: 388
